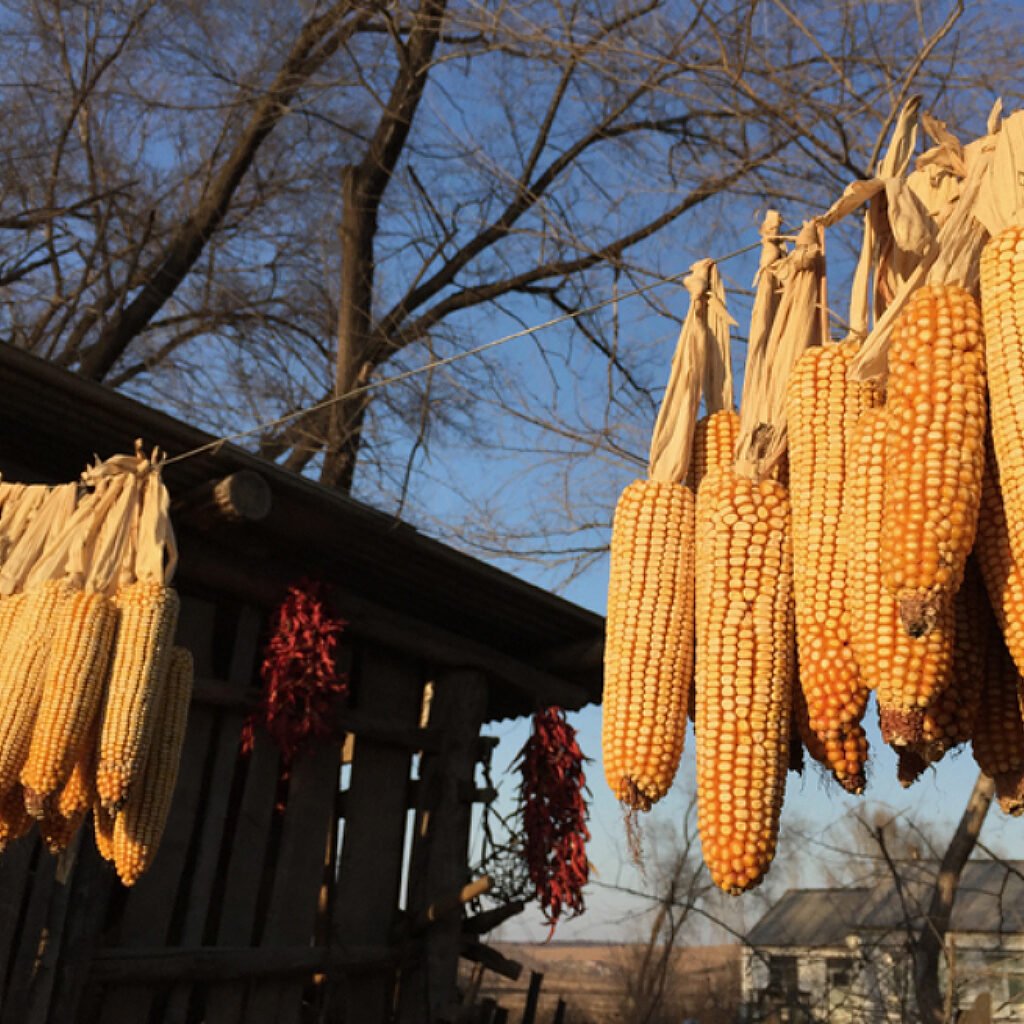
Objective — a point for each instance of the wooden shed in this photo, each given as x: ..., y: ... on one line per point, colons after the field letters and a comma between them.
x: 331, y: 896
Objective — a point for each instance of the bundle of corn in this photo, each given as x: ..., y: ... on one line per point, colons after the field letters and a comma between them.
x: 648, y: 654
x: 80, y: 656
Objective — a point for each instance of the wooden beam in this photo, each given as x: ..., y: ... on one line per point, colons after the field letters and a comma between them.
x: 222, y: 963
x: 243, y: 496
x: 445, y: 648
x: 491, y: 959
x: 488, y: 920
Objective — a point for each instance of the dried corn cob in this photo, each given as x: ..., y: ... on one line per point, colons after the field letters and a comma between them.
x: 744, y: 673
x: 998, y: 741
x: 103, y: 831
x: 823, y: 407
x: 64, y: 815
x: 949, y: 720
x: 1002, y: 572
x: 649, y: 640
x: 15, y: 821
x: 139, y: 826
x: 145, y: 634
x: 72, y: 691
x: 909, y: 673
x: 22, y: 671
x: 714, y: 444
x: 1002, y: 302
x: 935, y: 451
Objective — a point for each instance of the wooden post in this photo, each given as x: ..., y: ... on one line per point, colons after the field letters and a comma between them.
x: 559, y: 1017
x: 438, y: 867
x: 532, y: 998
x: 365, y: 908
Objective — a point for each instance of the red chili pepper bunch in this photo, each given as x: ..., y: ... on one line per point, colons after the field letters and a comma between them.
x: 554, y: 813
x: 301, y: 682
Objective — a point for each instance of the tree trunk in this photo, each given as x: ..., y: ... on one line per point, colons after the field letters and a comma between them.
x: 345, y: 417
x: 930, y: 945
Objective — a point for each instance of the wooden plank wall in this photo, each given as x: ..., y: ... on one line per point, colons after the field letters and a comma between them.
x: 309, y: 925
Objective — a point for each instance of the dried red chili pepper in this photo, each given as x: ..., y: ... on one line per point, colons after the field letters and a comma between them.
x: 554, y: 814
x: 302, y: 686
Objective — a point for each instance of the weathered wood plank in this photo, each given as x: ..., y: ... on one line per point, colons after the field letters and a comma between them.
x: 247, y: 863
x: 428, y: 989
x: 216, y: 818
x: 14, y: 890
x: 150, y: 906
x: 31, y: 939
x: 369, y: 879
x: 291, y: 915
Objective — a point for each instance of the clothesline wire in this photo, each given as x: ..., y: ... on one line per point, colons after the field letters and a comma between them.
x: 375, y: 385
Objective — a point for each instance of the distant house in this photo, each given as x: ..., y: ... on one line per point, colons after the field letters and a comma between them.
x: 839, y: 955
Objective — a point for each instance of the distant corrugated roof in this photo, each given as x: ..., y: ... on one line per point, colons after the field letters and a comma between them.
x: 990, y: 899
x: 810, y: 917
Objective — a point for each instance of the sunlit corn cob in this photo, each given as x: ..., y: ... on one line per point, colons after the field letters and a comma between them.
x: 648, y: 659
x: 139, y: 825
x: 998, y: 741
x: 103, y: 831
x: 64, y: 815
x: 76, y: 675
x: 949, y: 720
x: 1002, y: 571
x: 145, y: 634
x: 23, y: 661
x: 934, y: 450
x: 907, y: 672
x: 1002, y: 304
x: 15, y: 821
x: 744, y: 673
x: 714, y: 444
x: 822, y: 409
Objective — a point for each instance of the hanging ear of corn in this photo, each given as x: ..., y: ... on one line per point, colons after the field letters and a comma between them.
x: 15, y: 821
x: 935, y: 451
x: 714, y: 444
x: 648, y: 656
x: 998, y: 741
x: 908, y: 673
x: 139, y: 826
x: 823, y: 407
x: 744, y: 673
x: 147, y: 619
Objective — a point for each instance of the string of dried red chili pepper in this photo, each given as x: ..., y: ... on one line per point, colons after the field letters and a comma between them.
x: 301, y: 682
x: 554, y: 815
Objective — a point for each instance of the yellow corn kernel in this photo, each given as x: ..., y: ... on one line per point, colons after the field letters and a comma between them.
x: 907, y: 673
x: 998, y: 741
x: 15, y: 821
x: 648, y: 656
x: 934, y: 451
x: 76, y: 675
x: 745, y: 634
x: 822, y: 410
x: 139, y: 825
x: 23, y: 663
x: 148, y: 618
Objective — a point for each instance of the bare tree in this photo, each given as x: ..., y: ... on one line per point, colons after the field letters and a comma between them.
x: 238, y: 213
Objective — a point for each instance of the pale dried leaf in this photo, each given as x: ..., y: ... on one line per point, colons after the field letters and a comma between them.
x: 1002, y: 195
x: 672, y: 439
x: 717, y: 386
x: 903, y: 141
x: 856, y: 194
